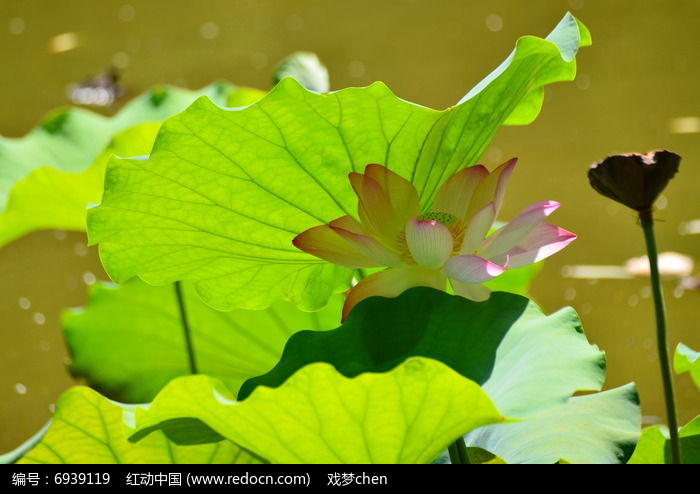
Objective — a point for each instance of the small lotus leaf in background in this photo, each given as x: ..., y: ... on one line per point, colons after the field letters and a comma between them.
x: 51, y: 198
x: 654, y: 446
x: 406, y: 415
x: 129, y: 341
x: 62, y: 149
x: 306, y: 68
x: 88, y: 428
x: 224, y: 192
x: 687, y: 360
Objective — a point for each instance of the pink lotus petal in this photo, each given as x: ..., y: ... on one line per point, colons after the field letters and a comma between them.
x: 391, y: 283
x: 492, y: 188
x: 471, y: 291
x: 516, y: 230
x: 374, y: 209
x: 543, y: 241
x: 366, y: 245
x: 479, y: 226
x: 430, y: 242
x: 350, y: 224
x: 321, y: 241
x: 472, y: 269
x: 456, y: 193
x: 401, y: 194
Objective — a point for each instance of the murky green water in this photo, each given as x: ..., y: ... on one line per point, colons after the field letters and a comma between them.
x: 640, y: 76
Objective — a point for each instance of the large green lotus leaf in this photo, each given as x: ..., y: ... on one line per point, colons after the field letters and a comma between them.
x: 49, y: 177
x: 406, y: 415
x: 525, y: 361
x: 129, y: 341
x: 687, y: 360
x: 654, y: 446
x: 88, y: 428
x: 225, y: 191
x: 595, y: 428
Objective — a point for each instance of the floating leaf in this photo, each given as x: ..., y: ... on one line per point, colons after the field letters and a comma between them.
x: 129, y: 341
x: 524, y: 360
x: 224, y: 192
x: 654, y: 445
x: 88, y: 428
x: 596, y: 428
x: 48, y: 178
x: 406, y: 415
x: 306, y: 68
x: 687, y: 360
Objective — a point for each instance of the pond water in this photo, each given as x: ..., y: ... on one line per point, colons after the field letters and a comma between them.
x: 636, y: 91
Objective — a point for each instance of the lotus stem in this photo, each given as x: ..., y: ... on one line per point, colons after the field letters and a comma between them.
x: 185, y: 328
x: 645, y: 216
x: 458, y: 452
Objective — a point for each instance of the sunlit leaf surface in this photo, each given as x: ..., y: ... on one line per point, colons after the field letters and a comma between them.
x: 654, y: 446
x: 528, y: 363
x: 406, y: 415
x: 88, y: 428
x: 48, y: 177
x: 687, y: 360
x: 224, y: 192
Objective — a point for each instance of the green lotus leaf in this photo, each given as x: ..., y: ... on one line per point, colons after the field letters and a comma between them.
x: 595, y: 428
x: 129, y: 341
x: 406, y: 415
x: 477, y: 456
x: 654, y: 446
x: 49, y: 177
x: 244, y: 96
x: 88, y: 428
x: 528, y: 363
x: 52, y: 198
x: 225, y: 191
x: 525, y: 361
x: 687, y: 360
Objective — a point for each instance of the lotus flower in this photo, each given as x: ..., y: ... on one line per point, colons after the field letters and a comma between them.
x: 451, y: 242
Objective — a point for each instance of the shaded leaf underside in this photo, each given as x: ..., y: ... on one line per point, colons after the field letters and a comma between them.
x: 129, y: 341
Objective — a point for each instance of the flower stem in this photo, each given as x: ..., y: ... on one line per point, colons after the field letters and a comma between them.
x: 185, y: 327
x: 647, y: 221
x: 458, y: 452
